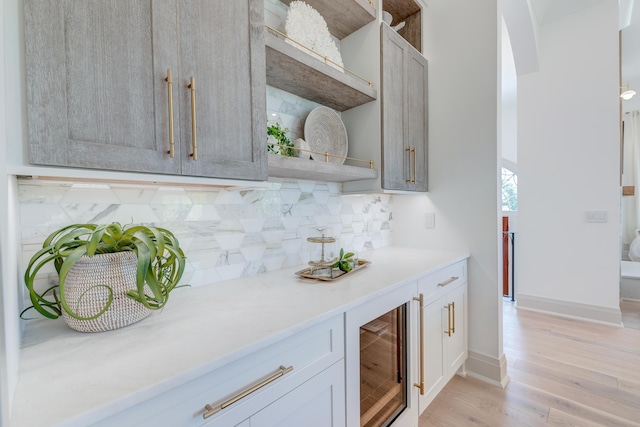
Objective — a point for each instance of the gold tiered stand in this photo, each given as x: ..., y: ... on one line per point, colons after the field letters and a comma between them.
x: 322, y: 263
x: 326, y: 265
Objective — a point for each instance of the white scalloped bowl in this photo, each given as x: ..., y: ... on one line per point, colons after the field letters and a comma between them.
x: 324, y: 131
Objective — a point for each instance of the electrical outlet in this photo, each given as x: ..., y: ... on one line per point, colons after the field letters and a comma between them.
x: 596, y: 216
x: 430, y: 220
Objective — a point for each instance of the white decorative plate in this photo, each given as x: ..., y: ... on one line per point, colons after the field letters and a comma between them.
x: 324, y: 131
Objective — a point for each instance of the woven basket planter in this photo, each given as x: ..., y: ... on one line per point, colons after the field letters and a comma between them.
x: 87, y: 294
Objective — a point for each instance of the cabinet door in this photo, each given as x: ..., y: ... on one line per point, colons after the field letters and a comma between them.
x: 319, y: 402
x: 222, y: 49
x: 417, y: 117
x: 444, y: 328
x: 395, y: 154
x: 456, y: 344
x: 96, y: 95
x: 433, y: 329
x: 404, y: 114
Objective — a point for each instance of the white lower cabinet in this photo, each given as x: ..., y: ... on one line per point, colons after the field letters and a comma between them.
x: 315, y: 377
x: 444, y: 328
x: 298, y: 378
x: 455, y: 348
x: 438, y: 339
x: 434, y: 370
x: 319, y: 402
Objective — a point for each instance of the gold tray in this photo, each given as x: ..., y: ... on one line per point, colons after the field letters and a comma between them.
x: 337, y: 273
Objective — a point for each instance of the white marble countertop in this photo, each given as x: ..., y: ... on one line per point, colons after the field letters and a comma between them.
x: 69, y: 378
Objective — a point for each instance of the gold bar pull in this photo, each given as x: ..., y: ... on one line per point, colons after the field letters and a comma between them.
x: 448, y: 331
x: 420, y: 385
x: 211, y: 410
x: 194, y: 139
x: 450, y: 280
x: 172, y: 143
x: 408, y: 150
x: 453, y: 323
x: 415, y: 164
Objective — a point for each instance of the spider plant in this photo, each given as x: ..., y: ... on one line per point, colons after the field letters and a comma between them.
x: 160, y: 263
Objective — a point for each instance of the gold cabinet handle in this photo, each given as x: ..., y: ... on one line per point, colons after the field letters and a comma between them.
x: 448, y: 331
x: 172, y: 143
x: 415, y: 164
x: 453, y: 323
x: 211, y: 410
x: 448, y: 281
x: 412, y: 175
x: 194, y: 139
x: 420, y: 384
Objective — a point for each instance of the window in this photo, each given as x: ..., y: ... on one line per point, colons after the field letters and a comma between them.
x: 509, y: 190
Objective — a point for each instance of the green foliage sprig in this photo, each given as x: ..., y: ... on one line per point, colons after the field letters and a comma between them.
x: 161, y: 263
x: 344, y: 261
x: 280, y: 134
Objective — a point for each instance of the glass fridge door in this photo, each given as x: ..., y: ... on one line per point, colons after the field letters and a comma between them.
x: 383, y: 372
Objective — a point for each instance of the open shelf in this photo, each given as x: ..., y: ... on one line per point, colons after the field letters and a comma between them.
x: 313, y: 170
x: 297, y: 72
x: 409, y: 12
x: 343, y: 17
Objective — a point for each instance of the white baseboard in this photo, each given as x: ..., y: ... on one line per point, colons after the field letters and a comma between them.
x: 487, y: 368
x: 574, y: 310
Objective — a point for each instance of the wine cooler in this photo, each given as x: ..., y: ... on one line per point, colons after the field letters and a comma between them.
x: 382, y: 361
x: 383, y: 373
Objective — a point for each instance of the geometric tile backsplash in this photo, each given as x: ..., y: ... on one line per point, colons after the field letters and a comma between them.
x: 226, y: 233
x: 289, y: 110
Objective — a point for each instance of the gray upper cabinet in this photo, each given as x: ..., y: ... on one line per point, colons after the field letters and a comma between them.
x: 98, y: 96
x: 222, y: 49
x: 95, y: 89
x: 404, y: 114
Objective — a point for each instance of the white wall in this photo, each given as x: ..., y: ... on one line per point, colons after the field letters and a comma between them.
x: 510, y: 134
x: 630, y: 48
x: 4, y: 369
x: 522, y: 34
x: 509, y: 86
x: 462, y: 44
x: 568, y: 163
x: 629, y: 212
x: 15, y: 86
x: 10, y: 128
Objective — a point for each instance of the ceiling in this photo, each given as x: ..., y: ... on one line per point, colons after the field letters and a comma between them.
x: 546, y: 11
x: 550, y: 10
x: 629, y: 22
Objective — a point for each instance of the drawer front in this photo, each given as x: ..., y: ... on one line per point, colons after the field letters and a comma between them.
x: 318, y: 402
x: 443, y: 280
x: 308, y: 353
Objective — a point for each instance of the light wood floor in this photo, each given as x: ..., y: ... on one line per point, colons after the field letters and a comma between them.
x: 563, y: 373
